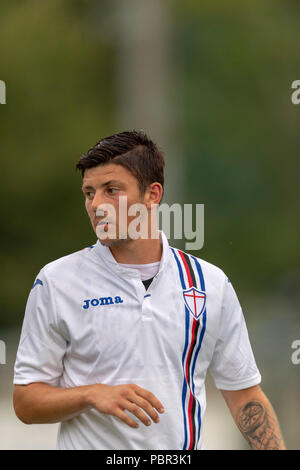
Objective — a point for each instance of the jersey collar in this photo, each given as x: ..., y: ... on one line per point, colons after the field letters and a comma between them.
x: 106, y: 255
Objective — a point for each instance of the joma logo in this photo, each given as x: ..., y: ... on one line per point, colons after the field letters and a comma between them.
x: 101, y: 301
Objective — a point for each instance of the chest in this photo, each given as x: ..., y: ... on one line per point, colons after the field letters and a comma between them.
x: 123, y: 326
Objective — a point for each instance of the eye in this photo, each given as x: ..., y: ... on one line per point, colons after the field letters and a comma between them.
x: 89, y: 194
x: 112, y: 190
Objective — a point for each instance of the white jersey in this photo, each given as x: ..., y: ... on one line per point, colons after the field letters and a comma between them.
x: 90, y: 320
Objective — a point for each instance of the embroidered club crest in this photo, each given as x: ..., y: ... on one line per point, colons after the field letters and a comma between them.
x: 195, y: 301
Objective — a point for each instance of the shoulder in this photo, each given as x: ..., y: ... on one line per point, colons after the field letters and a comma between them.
x: 210, y: 271
x: 71, y: 263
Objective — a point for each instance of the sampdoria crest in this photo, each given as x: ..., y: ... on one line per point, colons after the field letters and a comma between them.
x: 195, y: 301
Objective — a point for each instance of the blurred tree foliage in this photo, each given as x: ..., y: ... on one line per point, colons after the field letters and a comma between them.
x: 59, y: 103
x: 241, y: 136
x: 239, y: 133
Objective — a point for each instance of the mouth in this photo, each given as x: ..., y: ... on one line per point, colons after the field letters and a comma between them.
x: 102, y: 226
x: 101, y: 223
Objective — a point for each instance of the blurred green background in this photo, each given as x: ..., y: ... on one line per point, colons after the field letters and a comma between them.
x: 210, y: 82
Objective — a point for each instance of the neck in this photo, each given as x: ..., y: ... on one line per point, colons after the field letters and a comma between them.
x: 141, y: 251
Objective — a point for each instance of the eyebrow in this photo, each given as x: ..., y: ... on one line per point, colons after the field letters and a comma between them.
x: 87, y: 187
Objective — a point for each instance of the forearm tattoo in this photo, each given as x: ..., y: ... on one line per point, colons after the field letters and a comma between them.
x: 258, y: 427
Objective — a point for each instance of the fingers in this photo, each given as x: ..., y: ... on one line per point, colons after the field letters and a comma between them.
x: 138, y: 403
x: 116, y: 400
x: 149, y: 397
x: 133, y: 408
x: 136, y: 410
x: 119, y: 413
x: 138, y: 399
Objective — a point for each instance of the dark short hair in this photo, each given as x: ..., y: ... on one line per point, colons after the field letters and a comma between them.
x: 131, y: 149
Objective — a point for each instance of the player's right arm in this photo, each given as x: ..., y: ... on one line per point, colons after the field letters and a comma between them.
x: 41, y: 403
x: 40, y: 365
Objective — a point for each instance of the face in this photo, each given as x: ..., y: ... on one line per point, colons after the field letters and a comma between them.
x: 104, y: 184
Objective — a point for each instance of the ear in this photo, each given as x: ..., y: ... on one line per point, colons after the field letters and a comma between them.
x: 153, y: 194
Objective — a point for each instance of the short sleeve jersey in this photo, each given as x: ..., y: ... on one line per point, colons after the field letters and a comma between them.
x: 91, y: 320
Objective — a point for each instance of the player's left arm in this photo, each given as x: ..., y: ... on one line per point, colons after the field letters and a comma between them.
x: 255, y: 418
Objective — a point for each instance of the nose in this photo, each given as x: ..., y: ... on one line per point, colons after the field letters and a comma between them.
x: 97, y: 200
x: 100, y: 212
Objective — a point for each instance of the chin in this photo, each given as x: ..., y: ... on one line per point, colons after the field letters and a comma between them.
x: 106, y: 241
x: 111, y: 242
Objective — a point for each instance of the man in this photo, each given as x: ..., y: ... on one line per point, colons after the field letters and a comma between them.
x: 117, y: 338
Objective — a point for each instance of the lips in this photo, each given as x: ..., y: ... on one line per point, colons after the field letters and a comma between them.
x: 102, y: 223
x: 103, y: 226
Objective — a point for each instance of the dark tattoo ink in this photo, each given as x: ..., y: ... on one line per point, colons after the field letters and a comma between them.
x: 258, y: 427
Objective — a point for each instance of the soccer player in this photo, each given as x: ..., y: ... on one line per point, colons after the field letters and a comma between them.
x: 117, y: 338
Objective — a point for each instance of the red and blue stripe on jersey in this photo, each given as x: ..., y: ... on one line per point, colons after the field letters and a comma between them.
x: 190, y: 274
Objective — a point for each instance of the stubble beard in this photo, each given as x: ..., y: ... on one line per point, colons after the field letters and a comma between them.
x: 116, y: 242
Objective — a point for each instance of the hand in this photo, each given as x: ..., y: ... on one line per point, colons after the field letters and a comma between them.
x: 115, y: 399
